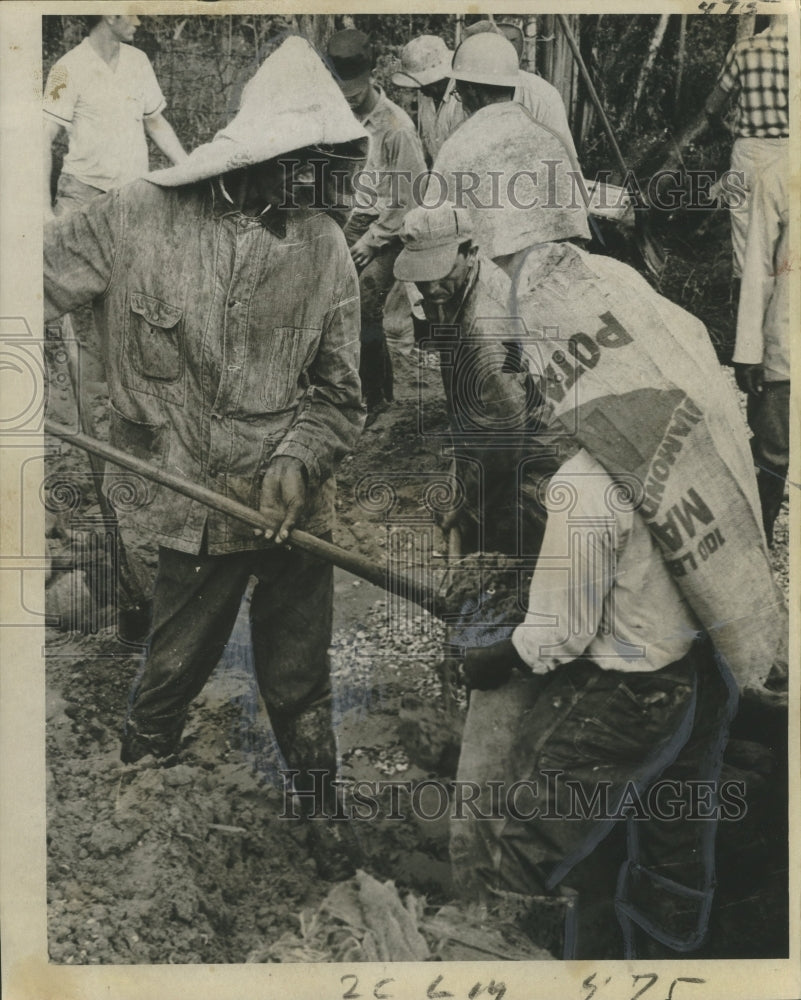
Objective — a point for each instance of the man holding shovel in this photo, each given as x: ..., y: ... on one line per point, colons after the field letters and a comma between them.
x: 229, y: 313
x: 651, y: 603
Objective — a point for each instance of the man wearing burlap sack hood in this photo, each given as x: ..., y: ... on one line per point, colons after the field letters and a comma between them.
x: 652, y: 607
x: 230, y: 318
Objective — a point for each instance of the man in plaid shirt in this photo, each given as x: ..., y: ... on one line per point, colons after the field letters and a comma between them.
x: 756, y: 73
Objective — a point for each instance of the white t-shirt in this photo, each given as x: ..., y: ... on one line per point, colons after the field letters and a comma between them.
x: 103, y: 110
x: 601, y: 588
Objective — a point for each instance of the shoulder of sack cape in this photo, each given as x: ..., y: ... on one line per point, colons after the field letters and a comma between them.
x: 491, y: 300
x: 509, y: 117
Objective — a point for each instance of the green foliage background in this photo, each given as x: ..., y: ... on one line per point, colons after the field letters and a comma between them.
x: 203, y: 61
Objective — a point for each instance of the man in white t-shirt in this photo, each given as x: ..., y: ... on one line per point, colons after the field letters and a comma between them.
x: 105, y: 94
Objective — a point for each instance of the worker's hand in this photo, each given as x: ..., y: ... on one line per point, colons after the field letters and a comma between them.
x: 283, y: 496
x: 362, y: 253
x: 749, y: 378
x: 488, y: 667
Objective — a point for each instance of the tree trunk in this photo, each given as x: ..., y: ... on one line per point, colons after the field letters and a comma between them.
x: 318, y: 28
x: 648, y: 65
x: 529, y: 61
x: 560, y: 63
x: 680, y: 66
x: 585, y: 110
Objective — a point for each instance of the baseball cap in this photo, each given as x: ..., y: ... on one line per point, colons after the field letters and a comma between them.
x: 430, y: 238
x: 350, y: 58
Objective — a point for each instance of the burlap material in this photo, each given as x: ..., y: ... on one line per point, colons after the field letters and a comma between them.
x: 634, y: 379
x: 512, y: 175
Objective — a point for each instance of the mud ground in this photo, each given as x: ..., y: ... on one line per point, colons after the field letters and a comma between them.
x: 192, y: 864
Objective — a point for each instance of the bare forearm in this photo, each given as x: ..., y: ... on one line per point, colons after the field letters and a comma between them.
x: 163, y: 134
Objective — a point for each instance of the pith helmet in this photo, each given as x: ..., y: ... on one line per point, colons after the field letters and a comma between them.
x: 486, y: 58
x: 424, y: 60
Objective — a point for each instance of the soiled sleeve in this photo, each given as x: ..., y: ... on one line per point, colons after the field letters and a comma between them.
x: 80, y: 250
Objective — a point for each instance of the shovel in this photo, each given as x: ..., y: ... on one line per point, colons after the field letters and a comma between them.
x: 358, y: 565
x: 453, y: 612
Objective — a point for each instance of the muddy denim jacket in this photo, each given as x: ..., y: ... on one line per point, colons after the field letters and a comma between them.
x: 228, y: 340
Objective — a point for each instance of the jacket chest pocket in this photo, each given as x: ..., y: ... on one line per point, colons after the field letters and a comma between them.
x: 286, y: 355
x: 154, y: 348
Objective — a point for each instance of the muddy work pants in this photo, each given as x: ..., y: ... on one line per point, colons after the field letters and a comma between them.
x: 196, y: 602
x: 587, y: 746
x: 375, y: 282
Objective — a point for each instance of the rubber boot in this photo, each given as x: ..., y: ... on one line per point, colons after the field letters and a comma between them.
x: 164, y: 746
x: 375, y: 372
x: 309, y: 748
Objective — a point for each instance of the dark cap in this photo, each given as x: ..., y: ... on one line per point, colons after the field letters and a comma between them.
x: 350, y: 58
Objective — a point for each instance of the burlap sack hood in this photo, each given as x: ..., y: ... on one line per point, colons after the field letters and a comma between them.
x: 291, y: 102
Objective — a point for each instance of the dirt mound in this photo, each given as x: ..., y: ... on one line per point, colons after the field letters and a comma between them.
x: 150, y: 864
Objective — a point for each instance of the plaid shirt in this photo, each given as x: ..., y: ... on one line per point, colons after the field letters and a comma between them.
x: 757, y: 70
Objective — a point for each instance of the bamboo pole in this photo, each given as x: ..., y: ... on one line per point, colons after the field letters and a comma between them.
x: 745, y: 26
x: 530, y: 61
x: 596, y: 100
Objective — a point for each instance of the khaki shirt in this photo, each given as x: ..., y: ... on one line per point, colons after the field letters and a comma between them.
x: 436, y: 121
x: 394, y: 149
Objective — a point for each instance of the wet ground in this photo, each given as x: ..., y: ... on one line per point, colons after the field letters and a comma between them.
x: 193, y: 864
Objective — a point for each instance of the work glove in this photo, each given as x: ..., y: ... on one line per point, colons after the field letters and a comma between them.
x: 488, y: 667
x: 749, y: 378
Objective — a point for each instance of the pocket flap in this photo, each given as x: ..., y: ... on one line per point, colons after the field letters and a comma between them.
x: 154, y: 311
